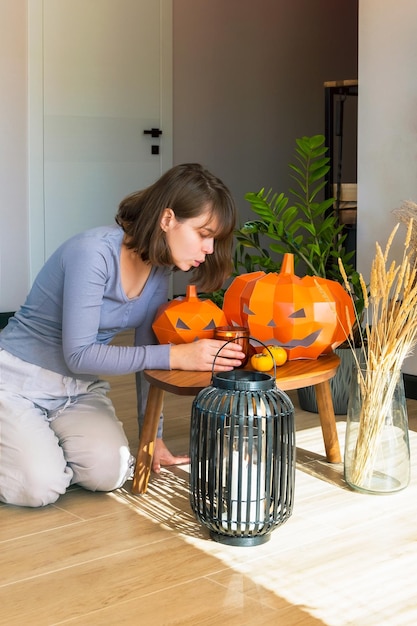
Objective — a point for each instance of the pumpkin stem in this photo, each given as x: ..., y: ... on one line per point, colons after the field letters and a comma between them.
x: 191, y: 293
x: 287, y: 266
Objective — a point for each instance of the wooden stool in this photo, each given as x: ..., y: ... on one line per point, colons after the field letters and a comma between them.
x: 292, y: 375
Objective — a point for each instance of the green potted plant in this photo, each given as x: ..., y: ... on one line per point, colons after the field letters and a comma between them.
x: 305, y: 224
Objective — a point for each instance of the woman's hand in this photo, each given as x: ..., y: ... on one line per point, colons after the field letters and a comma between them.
x: 199, y: 356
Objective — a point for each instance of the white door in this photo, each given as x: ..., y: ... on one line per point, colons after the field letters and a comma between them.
x: 105, y: 73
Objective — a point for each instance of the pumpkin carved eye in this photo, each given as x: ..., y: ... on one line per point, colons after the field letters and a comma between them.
x: 181, y: 325
x: 210, y: 326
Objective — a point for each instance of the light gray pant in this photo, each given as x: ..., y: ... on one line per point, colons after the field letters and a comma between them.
x: 56, y: 431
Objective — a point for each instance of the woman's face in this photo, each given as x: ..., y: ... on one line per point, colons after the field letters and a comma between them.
x: 190, y: 240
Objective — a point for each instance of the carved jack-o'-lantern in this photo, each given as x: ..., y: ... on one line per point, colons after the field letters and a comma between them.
x: 187, y: 318
x: 307, y: 316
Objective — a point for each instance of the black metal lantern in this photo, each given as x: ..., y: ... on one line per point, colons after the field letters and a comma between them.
x: 242, y: 449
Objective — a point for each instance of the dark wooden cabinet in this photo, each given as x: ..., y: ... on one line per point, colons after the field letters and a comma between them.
x: 340, y: 100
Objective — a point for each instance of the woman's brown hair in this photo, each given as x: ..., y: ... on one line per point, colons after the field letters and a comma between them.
x: 187, y: 189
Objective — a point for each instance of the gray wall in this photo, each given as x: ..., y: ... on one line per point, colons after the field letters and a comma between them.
x: 248, y: 80
x: 387, y: 147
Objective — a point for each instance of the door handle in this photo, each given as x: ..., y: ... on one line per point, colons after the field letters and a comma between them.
x: 153, y: 132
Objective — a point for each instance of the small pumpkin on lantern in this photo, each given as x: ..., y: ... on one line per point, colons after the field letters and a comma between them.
x: 307, y: 316
x: 187, y: 318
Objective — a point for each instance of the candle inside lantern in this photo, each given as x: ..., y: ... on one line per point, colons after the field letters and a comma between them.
x: 237, y: 334
x: 244, y: 473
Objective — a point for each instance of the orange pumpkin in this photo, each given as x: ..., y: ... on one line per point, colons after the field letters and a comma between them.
x: 307, y: 316
x: 187, y: 318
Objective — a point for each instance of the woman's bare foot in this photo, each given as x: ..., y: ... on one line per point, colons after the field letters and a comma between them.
x: 162, y: 457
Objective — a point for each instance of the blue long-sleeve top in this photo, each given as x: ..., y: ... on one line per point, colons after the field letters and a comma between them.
x: 77, y: 305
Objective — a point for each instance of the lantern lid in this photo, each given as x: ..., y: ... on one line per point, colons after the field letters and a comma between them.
x: 242, y: 380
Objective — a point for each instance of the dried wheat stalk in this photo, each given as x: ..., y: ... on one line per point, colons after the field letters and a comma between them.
x: 407, y: 213
x: 390, y: 333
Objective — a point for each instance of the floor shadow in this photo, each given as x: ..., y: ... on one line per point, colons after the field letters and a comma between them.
x: 316, y: 465
x: 166, y: 502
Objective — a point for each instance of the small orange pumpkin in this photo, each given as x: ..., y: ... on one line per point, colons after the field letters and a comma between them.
x: 187, y: 318
x: 307, y: 316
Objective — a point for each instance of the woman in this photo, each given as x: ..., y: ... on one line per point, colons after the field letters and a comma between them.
x: 57, y: 425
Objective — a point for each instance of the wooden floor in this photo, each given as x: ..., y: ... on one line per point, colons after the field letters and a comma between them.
x: 343, y: 558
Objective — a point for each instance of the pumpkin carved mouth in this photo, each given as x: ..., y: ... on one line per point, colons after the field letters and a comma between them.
x: 304, y: 343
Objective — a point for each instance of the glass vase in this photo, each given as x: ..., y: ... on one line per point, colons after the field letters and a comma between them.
x: 377, y: 450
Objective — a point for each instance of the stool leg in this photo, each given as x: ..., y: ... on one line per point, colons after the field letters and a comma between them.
x: 147, y: 440
x: 328, y: 421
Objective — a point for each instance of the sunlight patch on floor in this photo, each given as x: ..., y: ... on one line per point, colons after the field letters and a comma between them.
x: 342, y: 556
